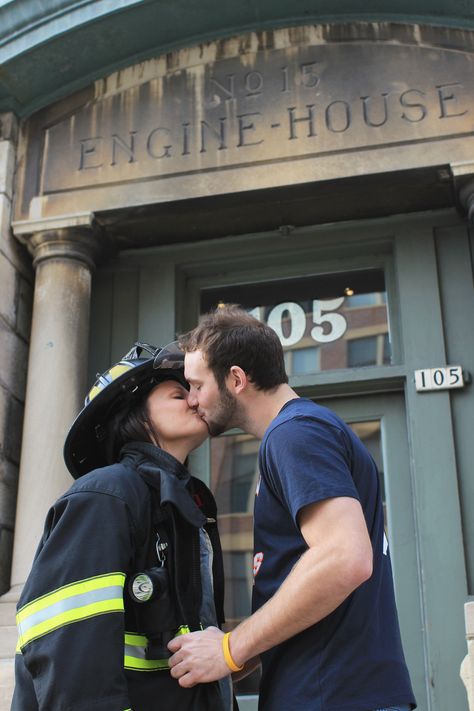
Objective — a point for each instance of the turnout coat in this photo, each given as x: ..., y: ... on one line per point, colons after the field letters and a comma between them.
x: 84, y: 644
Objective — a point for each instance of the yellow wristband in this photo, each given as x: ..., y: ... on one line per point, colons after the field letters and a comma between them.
x: 227, y: 655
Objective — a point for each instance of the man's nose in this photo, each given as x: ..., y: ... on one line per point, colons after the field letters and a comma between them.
x: 192, y: 399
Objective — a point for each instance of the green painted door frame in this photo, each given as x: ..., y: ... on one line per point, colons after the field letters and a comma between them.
x: 389, y: 408
x: 154, y: 293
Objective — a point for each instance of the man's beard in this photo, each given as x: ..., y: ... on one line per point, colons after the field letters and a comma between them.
x: 226, y: 414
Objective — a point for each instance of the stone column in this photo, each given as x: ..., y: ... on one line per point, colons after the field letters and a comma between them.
x: 56, y: 383
x: 56, y: 379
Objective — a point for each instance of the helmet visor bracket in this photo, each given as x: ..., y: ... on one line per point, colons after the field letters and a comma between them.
x: 169, y: 357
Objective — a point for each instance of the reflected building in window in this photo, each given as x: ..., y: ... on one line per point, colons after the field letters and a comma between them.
x: 322, y: 324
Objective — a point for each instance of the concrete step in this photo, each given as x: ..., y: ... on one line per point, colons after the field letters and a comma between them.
x: 8, y: 640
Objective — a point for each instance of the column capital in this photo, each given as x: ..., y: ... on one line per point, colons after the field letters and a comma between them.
x: 82, y: 244
x: 75, y: 236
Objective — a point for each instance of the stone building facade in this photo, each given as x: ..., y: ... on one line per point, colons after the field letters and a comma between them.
x: 318, y: 169
x: 16, y: 290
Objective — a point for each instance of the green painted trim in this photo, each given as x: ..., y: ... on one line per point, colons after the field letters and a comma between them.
x: 435, y: 486
x: 43, y: 57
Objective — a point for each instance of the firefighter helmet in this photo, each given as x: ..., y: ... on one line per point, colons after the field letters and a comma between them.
x: 119, y: 388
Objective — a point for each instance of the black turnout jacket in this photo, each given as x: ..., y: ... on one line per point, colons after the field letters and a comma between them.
x: 84, y: 644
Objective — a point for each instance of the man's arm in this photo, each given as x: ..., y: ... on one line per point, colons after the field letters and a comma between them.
x: 338, y: 560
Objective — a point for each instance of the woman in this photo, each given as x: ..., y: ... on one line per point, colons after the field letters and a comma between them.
x: 130, y: 555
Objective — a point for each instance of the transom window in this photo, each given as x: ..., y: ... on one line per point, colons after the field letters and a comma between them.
x: 324, y: 321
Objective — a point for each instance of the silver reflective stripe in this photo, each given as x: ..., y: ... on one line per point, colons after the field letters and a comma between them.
x: 135, y: 658
x: 70, y: 603
x: 135, y: 652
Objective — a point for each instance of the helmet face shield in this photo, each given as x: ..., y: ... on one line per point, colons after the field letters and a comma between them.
x: 141, y: 351
x: 171, y: 356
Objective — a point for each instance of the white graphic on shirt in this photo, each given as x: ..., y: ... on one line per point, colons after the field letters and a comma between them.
x: 257, y: 562
x: 257, y: 489
x: 385, y: 544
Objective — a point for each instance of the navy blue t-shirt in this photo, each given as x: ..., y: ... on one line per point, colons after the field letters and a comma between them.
x: 352, y: 660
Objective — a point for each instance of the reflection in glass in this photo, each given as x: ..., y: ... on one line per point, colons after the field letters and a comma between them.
x: 234, y: 476
x: 370, y: 434
x: 324, y: 322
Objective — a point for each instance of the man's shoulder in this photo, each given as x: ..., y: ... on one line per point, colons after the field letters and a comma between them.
x: 299, y: 410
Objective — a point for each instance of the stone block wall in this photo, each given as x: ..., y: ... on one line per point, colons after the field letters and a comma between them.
x: 16, y: 296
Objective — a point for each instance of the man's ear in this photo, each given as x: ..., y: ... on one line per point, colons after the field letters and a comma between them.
x: 237, y: 380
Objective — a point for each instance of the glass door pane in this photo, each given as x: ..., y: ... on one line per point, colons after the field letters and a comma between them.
x: 234, y: 476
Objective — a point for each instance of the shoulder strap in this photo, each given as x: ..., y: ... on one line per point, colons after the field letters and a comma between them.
x: 184, y: 562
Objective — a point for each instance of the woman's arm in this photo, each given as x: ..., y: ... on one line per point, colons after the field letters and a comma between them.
x: 71, y: 612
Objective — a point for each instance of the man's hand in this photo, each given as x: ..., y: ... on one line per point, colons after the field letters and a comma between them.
x: 198, y: 657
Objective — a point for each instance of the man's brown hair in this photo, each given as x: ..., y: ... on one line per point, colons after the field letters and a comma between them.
x: 230, y: 336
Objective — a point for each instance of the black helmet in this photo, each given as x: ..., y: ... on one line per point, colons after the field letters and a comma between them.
x: 118, y: 389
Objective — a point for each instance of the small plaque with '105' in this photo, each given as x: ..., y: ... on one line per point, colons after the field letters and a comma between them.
x: 443, y: 378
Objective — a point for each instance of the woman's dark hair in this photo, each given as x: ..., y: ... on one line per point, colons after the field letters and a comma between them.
x: 129, y: 425
x: 230, y: 336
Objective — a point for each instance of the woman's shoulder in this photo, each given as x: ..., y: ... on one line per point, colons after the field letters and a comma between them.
x: 117, y: 480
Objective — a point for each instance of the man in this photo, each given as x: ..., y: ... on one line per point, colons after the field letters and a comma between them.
x: 324, y: 620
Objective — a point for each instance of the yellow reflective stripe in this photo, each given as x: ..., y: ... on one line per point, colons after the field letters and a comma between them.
x: 66, y: 618
x: 78, y: 588
x: 184, y: 629
x: 71, y: 603
x: 135, y: 654
x: 133, y: 663
x: 113, y: 373
x: 136, y: 640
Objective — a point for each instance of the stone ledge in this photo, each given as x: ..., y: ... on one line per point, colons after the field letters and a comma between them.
x: 467, y: 666
x: 469, y: 617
